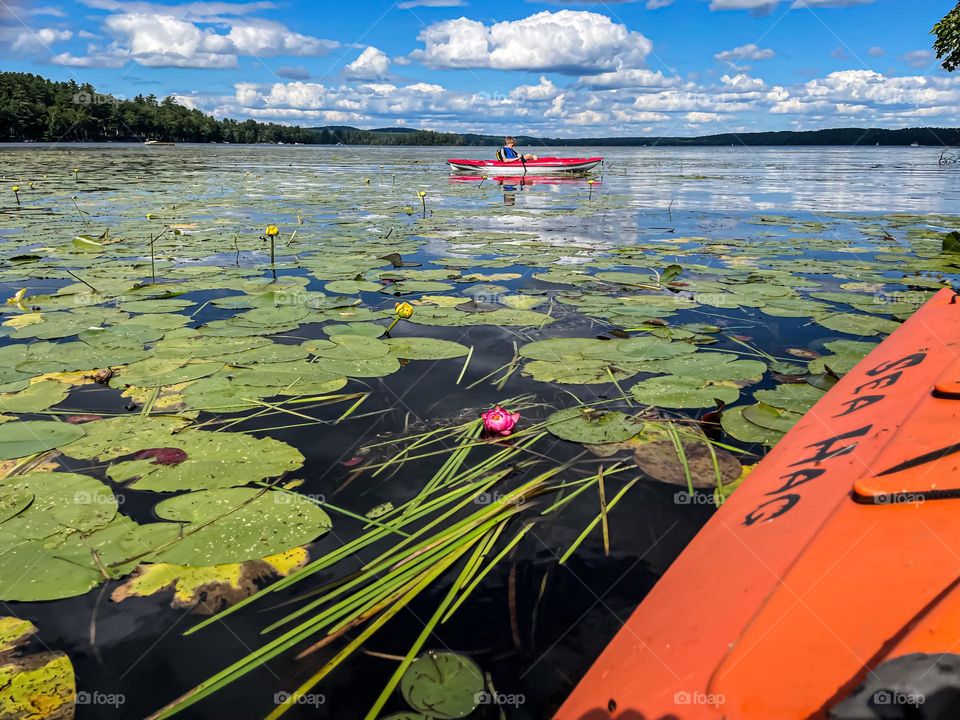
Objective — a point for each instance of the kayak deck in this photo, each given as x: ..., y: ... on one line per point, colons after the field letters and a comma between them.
x: 540, y: 166
x: 841, y: 551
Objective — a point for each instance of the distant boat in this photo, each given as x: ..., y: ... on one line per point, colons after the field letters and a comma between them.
x: 914, y: 144
x: 159, y: 142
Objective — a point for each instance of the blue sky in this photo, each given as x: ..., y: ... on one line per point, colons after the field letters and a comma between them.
x: 547, y: 67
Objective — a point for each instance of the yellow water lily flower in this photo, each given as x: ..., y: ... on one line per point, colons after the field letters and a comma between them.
x: 272, y: 231
x: 16, y: 188
x: 403, y: 310
x: 18, y: 297
x: 422, y: 193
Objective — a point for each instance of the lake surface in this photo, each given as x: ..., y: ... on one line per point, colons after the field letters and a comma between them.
x: 677, y: 278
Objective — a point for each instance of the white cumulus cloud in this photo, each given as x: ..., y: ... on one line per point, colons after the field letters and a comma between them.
x: 39, y: 41
x: 373, y: 64
x: 567, y: 41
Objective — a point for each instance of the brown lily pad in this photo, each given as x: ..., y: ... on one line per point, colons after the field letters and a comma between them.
x: 659, y: 461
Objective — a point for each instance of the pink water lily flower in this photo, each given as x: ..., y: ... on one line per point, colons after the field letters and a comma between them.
x: 499, y: 421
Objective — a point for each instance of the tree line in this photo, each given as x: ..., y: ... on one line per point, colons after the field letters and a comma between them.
x: 33, y: 108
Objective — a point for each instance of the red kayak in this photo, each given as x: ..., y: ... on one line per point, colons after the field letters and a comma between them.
x: 828, y: 585
x: 540, y: 166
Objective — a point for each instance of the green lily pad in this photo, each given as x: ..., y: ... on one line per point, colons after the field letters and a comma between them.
x: 352, y: 287
x: 26, y: 437
x: 368, y: 329
x: 29, y: 573
x: 795, y: 397
x: 213, y: 460
x: 414, y: 348
x: 156, y: 372
x: 854, y: 324
x: 351, y: 347
x: 846, y: 354
x: 238, y: 524
x: 115, y: 437
x: 375, y: 367
x: 35, y: 398
x: 595, y: 427
x: 735, y: 425
x: 577, y: 371
x: 771, y: 418
x: 673, y: 391
x: 442, y: 685
x: 13, y: 501
x: 61, y: 503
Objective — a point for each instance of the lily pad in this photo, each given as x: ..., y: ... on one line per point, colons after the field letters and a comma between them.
x: 213, y: 460
x: 861, y: 325
x: 26, y: 437
x: 595, y: 427
x: 35, y: 398
x: 795, y: 397
x: 208, y: 589
x: 737, y: 426
x: 237, y: 524
x: 442, y: 685
x: 115, y: 437
x: 771, y: 418
x: 156, y: 372
x: 414, y: 348
x: 37, y: 687
x: 673, y: 391
x: 661, y: 461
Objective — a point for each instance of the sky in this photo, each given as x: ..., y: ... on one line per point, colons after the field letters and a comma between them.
x: 558, y: 68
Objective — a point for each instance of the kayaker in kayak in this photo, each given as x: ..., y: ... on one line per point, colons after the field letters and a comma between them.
x: 508, y: 153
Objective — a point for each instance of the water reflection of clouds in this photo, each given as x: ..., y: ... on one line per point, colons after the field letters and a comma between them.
x: 864, y: 179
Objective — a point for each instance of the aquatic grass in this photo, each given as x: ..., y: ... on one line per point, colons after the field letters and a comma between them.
x: 410, y: 567
x: 593, y: 523
x: 466, y: 363
x: 435, y: 536
x: 681, y: 455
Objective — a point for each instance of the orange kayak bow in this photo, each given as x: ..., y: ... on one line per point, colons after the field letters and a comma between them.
x: 838, y: 554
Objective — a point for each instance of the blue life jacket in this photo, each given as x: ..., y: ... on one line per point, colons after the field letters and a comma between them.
x: 507, y: 153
